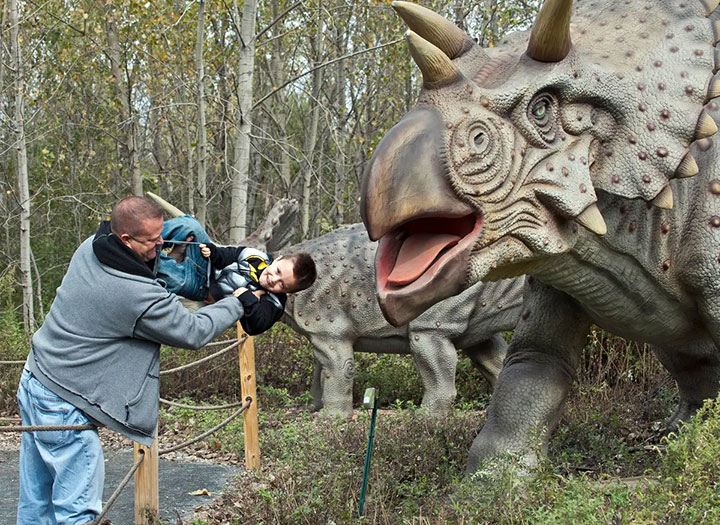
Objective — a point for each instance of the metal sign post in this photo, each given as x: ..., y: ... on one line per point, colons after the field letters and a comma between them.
x: 370, y: 400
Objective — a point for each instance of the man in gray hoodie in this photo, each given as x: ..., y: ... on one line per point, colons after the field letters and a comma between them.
x: 96, y: 360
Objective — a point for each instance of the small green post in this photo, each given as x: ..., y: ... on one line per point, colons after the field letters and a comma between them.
x: 370, y: 400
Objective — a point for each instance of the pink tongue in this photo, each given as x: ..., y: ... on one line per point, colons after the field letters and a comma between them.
x: 417, y: 254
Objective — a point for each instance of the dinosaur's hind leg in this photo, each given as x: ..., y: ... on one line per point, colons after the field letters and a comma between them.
x: 696, y: 369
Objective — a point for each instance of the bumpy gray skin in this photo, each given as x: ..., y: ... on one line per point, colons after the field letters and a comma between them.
x: 340, y: 315
x: 534, y: 155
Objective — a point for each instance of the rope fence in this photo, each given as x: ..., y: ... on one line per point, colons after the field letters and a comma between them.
x: 200, y: 407
x: 214, y: 429
x: 204, y: 359
x: 45, y: 428
x: 109, y: 503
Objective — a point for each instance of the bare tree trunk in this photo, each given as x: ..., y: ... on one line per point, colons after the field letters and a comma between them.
x: 22, y: 171
x: 241, y: 163
x: 202, y: 131
x: 306, y: 167
x: 280, y: 107
x: 340, y: 167
x: 189, y: 166
x: 127, y: 115
x: 158, y: 147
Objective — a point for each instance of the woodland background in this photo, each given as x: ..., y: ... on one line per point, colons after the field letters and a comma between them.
x: 224, y: 107
x: 219, y: 106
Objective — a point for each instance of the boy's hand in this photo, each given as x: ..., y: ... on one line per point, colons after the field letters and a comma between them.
x: 205, y: 251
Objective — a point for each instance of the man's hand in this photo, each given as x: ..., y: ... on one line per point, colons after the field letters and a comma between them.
x: 242, y: 290
x: 205, y: 251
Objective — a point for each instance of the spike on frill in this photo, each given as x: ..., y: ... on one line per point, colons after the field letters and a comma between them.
x: 713, y: 89
x: 710, y: 6
x: 688, y: 167
x: 705, y: 126
x: 664, y: 199
x: 593, y: 220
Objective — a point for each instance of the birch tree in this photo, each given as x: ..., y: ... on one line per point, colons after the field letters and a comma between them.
x: 243, y: 121
x: 202, y: 128
x: 22, y: 169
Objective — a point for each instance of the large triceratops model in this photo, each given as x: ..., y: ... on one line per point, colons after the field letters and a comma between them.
x: 580, y: 153
x: 339, y: 315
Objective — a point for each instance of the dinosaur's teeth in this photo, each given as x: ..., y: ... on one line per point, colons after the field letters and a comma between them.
x: 593, y: 220
x: 716, y: 31
x: 706, y: 126
x: 687, y: 167
x: 664, y: 199
x: 710, y: 5
x: 713, y: 89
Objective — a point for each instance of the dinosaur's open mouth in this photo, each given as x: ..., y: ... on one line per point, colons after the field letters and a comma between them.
x: 420, y: 251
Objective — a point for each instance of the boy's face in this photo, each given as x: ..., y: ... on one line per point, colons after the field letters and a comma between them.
x: 279, y: 276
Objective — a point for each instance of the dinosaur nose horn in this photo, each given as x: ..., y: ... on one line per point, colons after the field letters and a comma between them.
x: 550, y: 35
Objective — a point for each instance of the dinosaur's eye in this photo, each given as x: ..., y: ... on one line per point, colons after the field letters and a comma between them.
x: 540, y: 109
x: 540, y: 114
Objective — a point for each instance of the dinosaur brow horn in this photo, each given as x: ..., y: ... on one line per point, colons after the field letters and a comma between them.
x: 434, y: 28
x: 436, y: 66
x: 550, y: 36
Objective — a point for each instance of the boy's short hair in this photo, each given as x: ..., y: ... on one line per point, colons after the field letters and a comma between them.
x: 304, y: 271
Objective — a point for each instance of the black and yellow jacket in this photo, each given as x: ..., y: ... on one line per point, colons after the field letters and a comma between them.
x: 237, y: 266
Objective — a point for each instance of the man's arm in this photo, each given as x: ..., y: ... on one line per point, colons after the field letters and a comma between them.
x: 260, y: 312
x: 168, y: 322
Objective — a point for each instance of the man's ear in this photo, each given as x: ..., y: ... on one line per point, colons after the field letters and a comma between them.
x: 125, y: 239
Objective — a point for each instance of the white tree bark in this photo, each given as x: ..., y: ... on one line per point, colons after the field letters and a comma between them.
x: 22, y: 171
x: 202, y: 131
x: 241, y: 162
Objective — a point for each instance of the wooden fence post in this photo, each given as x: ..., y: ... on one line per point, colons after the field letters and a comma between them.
x: 147, y: 487
x: 246, y: 359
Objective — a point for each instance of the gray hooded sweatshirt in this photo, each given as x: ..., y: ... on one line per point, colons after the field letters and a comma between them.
x: 99, y: 346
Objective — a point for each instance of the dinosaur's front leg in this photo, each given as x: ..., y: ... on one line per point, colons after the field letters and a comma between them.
x: 336, y: 360
x: 696, y: 369
x: 436, y: 360
x: 536, y: 378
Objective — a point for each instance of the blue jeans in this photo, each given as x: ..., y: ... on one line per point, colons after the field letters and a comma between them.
x: 61, y: 472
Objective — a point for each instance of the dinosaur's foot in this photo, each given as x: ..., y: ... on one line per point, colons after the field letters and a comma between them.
x: 683, y: 413
x: 437, y: 406
x: 332, y: 410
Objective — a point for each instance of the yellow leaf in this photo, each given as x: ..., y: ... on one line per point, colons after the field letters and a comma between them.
x: 201, y: 492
